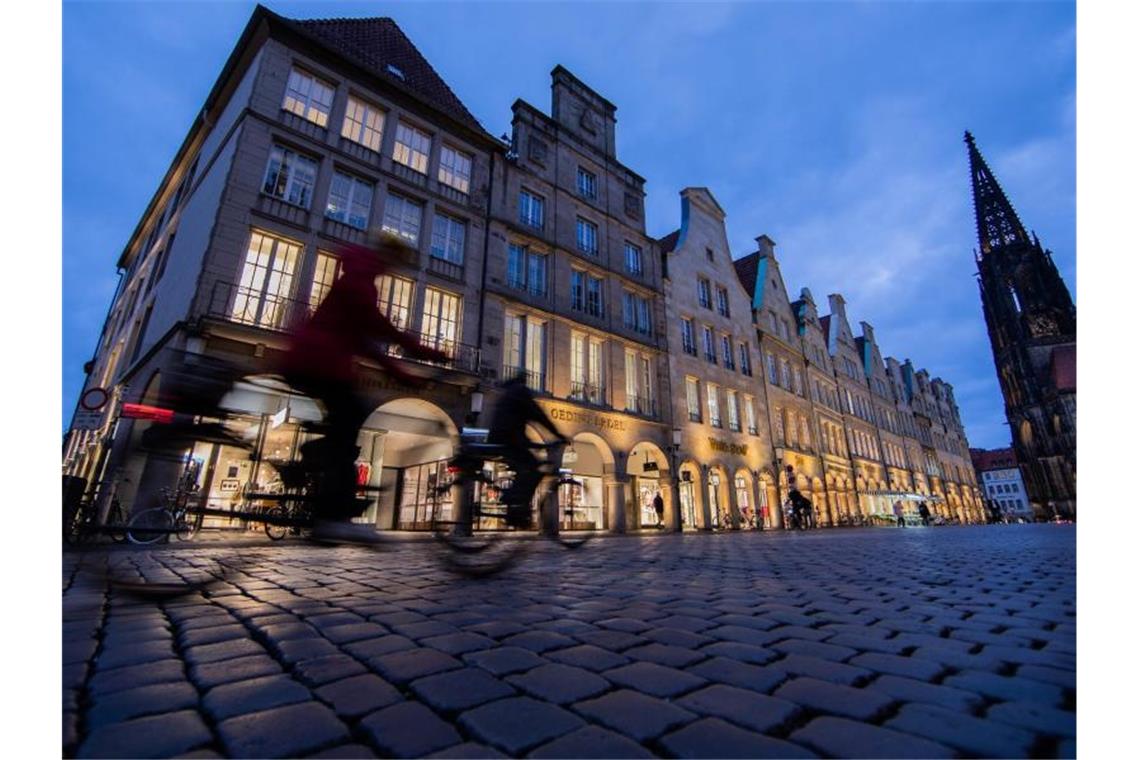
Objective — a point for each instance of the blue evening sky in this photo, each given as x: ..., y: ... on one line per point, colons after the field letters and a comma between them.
x: 834, y: 128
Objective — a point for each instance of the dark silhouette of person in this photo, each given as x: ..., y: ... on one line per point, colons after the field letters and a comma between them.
x: 659, y: 508
x: 515, y: 409
x: 321, y: 363
x: 924, y: 512
x: 801, y: 509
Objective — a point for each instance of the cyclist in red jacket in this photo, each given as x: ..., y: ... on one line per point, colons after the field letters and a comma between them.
x: 321, y: 363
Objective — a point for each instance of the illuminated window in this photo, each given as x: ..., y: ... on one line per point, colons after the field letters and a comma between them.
x: 733, y: 411
x: 266, y: 281
x: 308, y: 97
x: 363, y: 123
x: 412, y: 148
x: 713, y: 403
x: 326, y: 273
x: 693, y: 399
x: 290, y: 176
x: 350, y: 200
x: 455, y: 169
x: 750, y: 415
x: 396, y: 299
x: 441, y: 320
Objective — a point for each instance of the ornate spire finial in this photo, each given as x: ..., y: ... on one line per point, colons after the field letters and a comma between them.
x: 998, y: 224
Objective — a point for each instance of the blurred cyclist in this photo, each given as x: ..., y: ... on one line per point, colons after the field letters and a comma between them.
x: 321, y: 363
x: 515, y: 409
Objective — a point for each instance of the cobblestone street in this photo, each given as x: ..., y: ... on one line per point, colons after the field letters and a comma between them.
x: 944, y: 642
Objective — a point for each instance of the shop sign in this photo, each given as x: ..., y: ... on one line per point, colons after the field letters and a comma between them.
x: 649, y: 467
x: 230, y: 485
x: 592, y: 419
x: 728, y: 447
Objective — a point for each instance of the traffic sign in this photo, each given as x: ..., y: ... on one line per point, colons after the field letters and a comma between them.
x: 94, y: 399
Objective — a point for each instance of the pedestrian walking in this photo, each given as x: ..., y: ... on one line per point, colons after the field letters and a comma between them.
x: 898, y: 509
x: 659, y: 508
x: 924, y: 513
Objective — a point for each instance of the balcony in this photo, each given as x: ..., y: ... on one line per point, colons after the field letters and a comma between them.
x: 588, y: 393
x: 256, y: 309
x: 642, y: 405
x: 536, y: 381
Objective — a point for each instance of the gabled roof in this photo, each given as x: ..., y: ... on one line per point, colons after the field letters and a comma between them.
x: 669, y: 243
x: 747, y: 268
x: 374, y: 44
x: 993, y: 459
x: 1064, y: 367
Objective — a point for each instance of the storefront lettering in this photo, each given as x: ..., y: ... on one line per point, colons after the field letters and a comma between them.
x: 728, y: 448
x: 593, y: 419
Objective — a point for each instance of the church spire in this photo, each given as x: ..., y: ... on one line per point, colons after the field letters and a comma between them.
x: 998, y: 224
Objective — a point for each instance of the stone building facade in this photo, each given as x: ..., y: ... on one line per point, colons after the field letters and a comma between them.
x: 671, y: 367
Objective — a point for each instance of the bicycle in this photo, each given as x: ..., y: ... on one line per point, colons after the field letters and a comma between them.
x: 82, y: 524
x: 174, y: 517
x: 468, y: 553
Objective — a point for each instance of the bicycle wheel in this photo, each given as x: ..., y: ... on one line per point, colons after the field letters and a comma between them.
x: 150, y: 526
x: 189, y: 524
x: 276, y: 531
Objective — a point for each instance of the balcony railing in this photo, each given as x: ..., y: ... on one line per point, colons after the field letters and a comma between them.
x: 536, y: 381
x: 587, y: 392
x: 641, y: 405
x: 247, y: 306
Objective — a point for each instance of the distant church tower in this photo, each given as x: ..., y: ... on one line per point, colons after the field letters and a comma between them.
x: 1033, y: 333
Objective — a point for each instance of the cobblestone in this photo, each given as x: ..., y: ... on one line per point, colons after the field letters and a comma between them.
x: 711, y: 737
x: 408, y: 729
x: 516, y: 724
x: 839, y: 737
x: 690, y: 645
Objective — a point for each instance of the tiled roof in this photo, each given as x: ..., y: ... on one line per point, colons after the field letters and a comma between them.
x: 669, y: 242
x: 746, y: 269
x: 375, y: 44
x: 1064, y: 367
x: 993, y: 459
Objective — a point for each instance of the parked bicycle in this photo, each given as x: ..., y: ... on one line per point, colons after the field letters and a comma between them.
x: 174, y: 517
x: 82, y: 524
x: 490, y: 550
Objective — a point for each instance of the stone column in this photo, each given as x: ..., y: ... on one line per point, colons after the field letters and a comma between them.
x: 615, y: 506
x: 673, y: 508
x: 702, y: 493
x: 733, y: 505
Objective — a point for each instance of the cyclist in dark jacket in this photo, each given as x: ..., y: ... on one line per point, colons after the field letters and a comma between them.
x: 321, y: 363
x: 515, y: 409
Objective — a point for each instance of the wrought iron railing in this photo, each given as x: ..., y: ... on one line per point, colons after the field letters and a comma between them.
x: 255, y: 308
x: 588, y: 392
x: 536, y: 381
x: 641, y: 405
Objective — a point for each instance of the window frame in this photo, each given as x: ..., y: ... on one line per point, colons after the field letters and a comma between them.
x: 305, y: 99
x: 450, y: 174
x: 345, y: 215
x: 362, y: 127
x: 410, y: 150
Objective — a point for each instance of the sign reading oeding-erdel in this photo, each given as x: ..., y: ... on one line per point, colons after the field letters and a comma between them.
x: 584, y: 417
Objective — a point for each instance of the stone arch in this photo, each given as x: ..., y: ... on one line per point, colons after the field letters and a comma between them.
x: 770, y: 509
x: 645, y: 485
x: 691, y: 495
x: 717, y: 485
